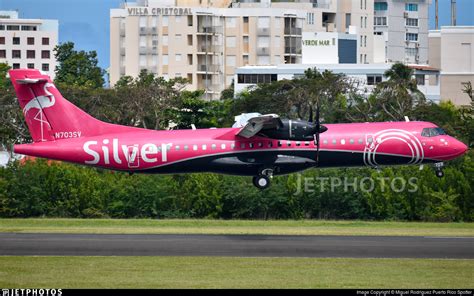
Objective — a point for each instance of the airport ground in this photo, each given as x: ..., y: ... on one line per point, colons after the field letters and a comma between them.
x: 232, y: 271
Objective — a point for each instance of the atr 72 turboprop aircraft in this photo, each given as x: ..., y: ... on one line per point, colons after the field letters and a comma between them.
x: 257, y: 145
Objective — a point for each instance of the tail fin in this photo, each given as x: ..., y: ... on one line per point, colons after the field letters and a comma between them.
x: 50, y: 116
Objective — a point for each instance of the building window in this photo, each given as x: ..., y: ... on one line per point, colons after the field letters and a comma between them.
x: 177, y: 18
x: 3, y: 53
x: 30, y: 41
x: 16, y: 40
x: 365, y: 41
x: 30, y: 66
x: 411, y: 37
x: 190, y: 20
x: 190, y: 59
x: 28, y: 28
x: 30, y: 54
x: 13, y: 28
x: 348, y: 20
x: 412, y: 22
x: 374, y: 79
x: 16, y: 54
x: 365, y: 22
x: 411, y: 51
x: 45, y: 67
x: 246, y: 19
x: 45, y: 54
x: 230, y: 22
x: 45, y: 41
x: 2, y: 40
x: 165, y: 59
x: 380, y: 21
x: 411, y: 7
x: 230, y: 60
x: 178, y: 57
x: 420, y: 79
x: 230, y: 41
x: 164, y: 22
x: 256, y: 78
x: 190, y: 40
x: 16, y: 66
x: 310, y: 18
x: 380, y: 6
x: 165, y: 40
x: 2, y: 27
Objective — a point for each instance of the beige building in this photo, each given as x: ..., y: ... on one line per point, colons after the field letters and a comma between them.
x: 205, y: 42
x: 28, y: 43
x: 451, y: 49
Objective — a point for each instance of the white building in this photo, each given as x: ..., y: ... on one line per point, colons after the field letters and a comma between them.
x: 452, y: 51
x: 366, y: 75
x: 28, y: 43
x: 401, y: 31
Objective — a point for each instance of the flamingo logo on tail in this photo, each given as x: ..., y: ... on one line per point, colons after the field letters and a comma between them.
x: 40, y: 103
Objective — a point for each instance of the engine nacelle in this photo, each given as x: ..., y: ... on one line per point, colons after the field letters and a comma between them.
x: 294, y: 130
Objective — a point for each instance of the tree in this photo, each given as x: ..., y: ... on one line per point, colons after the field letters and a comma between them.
x: 399, y: 94
x: 77, y: 68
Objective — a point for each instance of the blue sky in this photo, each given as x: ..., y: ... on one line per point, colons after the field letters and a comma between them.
x: 86, y: 22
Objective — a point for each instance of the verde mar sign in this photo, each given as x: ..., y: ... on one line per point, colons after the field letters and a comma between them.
x: 315, y: 42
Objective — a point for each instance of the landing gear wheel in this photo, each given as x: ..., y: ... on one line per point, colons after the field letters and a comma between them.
x: 439, y: 169
x: 439, y: 173
x: 261, y: 182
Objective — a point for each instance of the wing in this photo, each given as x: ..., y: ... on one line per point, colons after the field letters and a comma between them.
x: 258, y: 123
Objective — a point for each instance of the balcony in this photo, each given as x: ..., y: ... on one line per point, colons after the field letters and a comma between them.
x: 143, y: 30
x: 122, y: 51
x: 209, y: 48
x: 122, y: 31
x: 263, y: 31
x: 292, y: 31
x: 207, y: 68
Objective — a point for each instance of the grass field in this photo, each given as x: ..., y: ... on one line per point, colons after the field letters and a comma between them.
x: 295, y: 227
x: 220, y: 272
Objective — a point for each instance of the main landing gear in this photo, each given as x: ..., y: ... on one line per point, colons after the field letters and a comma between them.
x: 262, y: 181
x: 439, y: 169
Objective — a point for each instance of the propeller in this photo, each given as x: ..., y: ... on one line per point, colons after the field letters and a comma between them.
x: 318, y: 128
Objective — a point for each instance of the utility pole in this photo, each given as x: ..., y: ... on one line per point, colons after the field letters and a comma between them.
x: 453, y: 12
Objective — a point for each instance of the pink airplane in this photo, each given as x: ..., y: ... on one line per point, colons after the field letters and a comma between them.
x: 258, y: 145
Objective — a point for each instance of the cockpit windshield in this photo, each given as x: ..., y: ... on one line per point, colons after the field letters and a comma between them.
x: 432, y: 132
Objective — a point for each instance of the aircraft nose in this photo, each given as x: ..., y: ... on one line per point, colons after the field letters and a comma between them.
x: 460, y: 148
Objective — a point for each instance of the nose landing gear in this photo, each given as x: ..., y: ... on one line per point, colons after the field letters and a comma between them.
x: 439, y: 169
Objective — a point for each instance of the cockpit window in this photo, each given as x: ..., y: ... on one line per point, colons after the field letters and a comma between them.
x: 432, y: 132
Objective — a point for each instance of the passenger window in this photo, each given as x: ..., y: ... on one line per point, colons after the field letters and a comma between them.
x: 222, y: 146
x: 279, y: 144
x: 360, y: 141
x: 343, y: 142
x: 176, y: 147
x: 351, y: 141
x: 334, y: 141
x: 260, y: 145
x: 213, y: 146
x: 250, y: 145
x: 306, y: 143
x: 288, y: 143
x: 325, y: 142
x: 298, y: 143
x: 186, y: 148
x: 204, y: 147
x: 195, y: 147
x: 232, y: 146
x: 270, y: 144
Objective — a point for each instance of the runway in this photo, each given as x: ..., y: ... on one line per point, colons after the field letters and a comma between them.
x: 235, y: 245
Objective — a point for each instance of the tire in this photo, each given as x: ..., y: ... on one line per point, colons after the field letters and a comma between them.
x: 261, y: 182
x: 439, y: 174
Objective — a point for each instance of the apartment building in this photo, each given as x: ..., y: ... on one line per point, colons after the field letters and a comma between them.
x: 202, y: 44
x: 401, y: 31
x: 205, y: 41
x: 451, y: 49
x: 28, y: 43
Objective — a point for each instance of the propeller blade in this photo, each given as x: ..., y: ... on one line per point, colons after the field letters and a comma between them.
x: 310, y: 113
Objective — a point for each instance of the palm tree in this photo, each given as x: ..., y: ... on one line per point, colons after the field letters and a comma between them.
x: 399, y: 94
